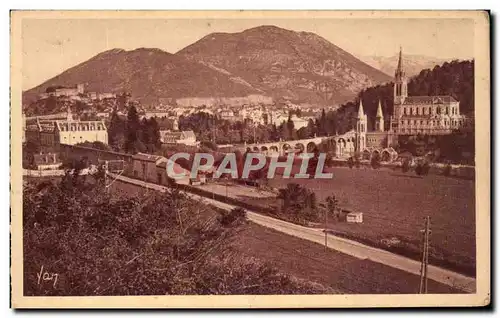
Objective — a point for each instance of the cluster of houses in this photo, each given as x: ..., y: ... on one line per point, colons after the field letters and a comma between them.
x: 153, y: 168
x: 76, y: 93
x: 50, y: 131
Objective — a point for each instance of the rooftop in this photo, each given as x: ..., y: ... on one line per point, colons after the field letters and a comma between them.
x: 146, y: 157
x: 430, y: 99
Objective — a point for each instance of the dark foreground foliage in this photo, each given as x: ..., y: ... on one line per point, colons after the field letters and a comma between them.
x: 80, y: 241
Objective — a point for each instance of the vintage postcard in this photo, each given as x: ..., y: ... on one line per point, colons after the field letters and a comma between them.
x: 248, y: 159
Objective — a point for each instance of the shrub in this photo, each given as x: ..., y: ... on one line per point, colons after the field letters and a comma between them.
x: 153, y: 245
x: 447, y: 170
x: 375, y: 161
x: 406, y: 165
x: 357, y: 163
x: 425, y: 168
x: 418, y: 169
x: 350, y: 162
x: 234, y: 217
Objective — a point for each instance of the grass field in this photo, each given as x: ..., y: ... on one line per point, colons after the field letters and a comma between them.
x: 395, y: 204
x: 309, y: 261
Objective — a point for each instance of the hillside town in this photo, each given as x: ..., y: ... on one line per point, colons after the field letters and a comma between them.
x: 298, y: 178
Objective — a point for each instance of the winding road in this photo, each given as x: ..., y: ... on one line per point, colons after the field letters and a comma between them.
x: 349, y: 247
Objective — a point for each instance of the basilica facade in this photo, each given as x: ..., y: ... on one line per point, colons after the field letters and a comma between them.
x: 426, y: 115
x: 412, y: 115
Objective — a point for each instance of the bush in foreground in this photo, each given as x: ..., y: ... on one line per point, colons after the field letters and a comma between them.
x: 155, y: 245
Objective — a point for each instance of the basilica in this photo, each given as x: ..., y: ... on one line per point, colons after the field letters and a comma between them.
x: 412, y: 115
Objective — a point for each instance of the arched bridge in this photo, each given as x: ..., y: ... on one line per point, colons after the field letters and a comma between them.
x: 340, y: 145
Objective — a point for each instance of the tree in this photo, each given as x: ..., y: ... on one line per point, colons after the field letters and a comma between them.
x: 406, y: 166
x: 150, y: 134
x: 274, y: 134
x: 350, y: 162
x: 322, y: 124
x: 116, y: 131
x: 235, y: 217
x: 133, y: 130
x: 330, y: 205
x: 311, y: 128
x: 298, y: 203
x: 375, y: 161
x: 422, y: 168
x: 447, y: 170
x: 291, y: 133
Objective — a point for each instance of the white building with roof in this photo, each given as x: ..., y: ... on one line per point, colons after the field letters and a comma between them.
x: 427, y: 115
x: 187, y: 137
x: 49, y: 133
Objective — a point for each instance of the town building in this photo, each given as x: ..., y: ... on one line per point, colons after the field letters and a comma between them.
x: 144, y: 166
x: 178, y: 137
x: 156, y: 114
x: 46, y: 161
x: 50, y: 133
x: 298, y: 122
x: 153, y: 168
x: 227, y: 114
x: 63, y: 91
x: 163, y: 177
x: 427, y: 115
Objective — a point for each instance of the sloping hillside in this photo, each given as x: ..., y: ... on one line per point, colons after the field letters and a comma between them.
x: 300, y: 66
x: 148, y: 74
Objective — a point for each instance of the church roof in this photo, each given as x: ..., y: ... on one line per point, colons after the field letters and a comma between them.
x: 146, y: 157
x: 429, y: 100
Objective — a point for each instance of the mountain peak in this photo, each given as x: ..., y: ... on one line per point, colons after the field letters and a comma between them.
x: 264, y: 60
x: 284, y: 63
x: 111, y: 52
x: 267, y: 28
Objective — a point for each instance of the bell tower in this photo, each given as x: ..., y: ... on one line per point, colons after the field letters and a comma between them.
x: 400, y: 82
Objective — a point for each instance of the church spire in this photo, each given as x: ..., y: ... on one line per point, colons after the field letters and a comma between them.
x: 400, y: 81
x: 361, y: 112
x: 399, y: 69
x: 379, y: 110
x: 379, y: 120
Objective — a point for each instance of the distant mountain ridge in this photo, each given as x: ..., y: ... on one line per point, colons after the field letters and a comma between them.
x: 265, y: 60
x: 413, y: 64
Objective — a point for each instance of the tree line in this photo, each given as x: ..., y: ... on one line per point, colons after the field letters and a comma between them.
x: 133, y: 135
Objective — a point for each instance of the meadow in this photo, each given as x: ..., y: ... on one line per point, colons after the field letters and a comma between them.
x: 394, y: 205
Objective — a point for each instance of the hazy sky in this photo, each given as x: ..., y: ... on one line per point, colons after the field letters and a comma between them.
x: 51, y: 46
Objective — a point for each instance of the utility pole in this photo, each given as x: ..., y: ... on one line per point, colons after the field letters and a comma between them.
x: 425, y: 256
x: 227, y: 180
x: 106, y: 175
x: 254, y: 141
x: 213, y: 130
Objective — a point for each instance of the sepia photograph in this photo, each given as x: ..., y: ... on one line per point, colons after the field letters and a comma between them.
x: 250, y: 159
